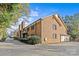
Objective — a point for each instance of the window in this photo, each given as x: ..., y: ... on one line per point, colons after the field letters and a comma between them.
x: 54, y: 36
x: 32, y: 27
x: 54, y: 26
x: 32, y: 34
x: 27, y: 29
x: 24, y: 35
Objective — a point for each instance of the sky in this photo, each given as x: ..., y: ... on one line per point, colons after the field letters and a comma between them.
x: 40, y: 10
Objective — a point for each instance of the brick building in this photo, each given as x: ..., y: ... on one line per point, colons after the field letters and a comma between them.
x: 51, y: 29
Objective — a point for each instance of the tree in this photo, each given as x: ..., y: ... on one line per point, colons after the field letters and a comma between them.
x: 72, y: 23
x: 9, y: 13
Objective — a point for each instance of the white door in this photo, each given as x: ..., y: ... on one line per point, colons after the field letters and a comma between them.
x: 62, y: 38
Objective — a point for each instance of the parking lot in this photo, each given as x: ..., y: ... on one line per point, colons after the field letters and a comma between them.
x: 62, y: 49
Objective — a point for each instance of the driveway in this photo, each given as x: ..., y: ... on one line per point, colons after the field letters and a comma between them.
x: 21, y: 49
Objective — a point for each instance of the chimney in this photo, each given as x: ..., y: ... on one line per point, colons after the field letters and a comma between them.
x: 19, y: 28
x: 22, y: 26
x: 19, y: 31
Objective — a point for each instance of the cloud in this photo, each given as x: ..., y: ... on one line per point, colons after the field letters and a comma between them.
x: 37, y: 9
x: 31, y: 19
x: 34, y: 13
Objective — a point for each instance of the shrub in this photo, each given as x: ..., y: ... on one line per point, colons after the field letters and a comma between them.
x: 33, y: 40
x: 3, y: 39
x: 23, y: 40
x: 29, y: 40
x: 15, y: 38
